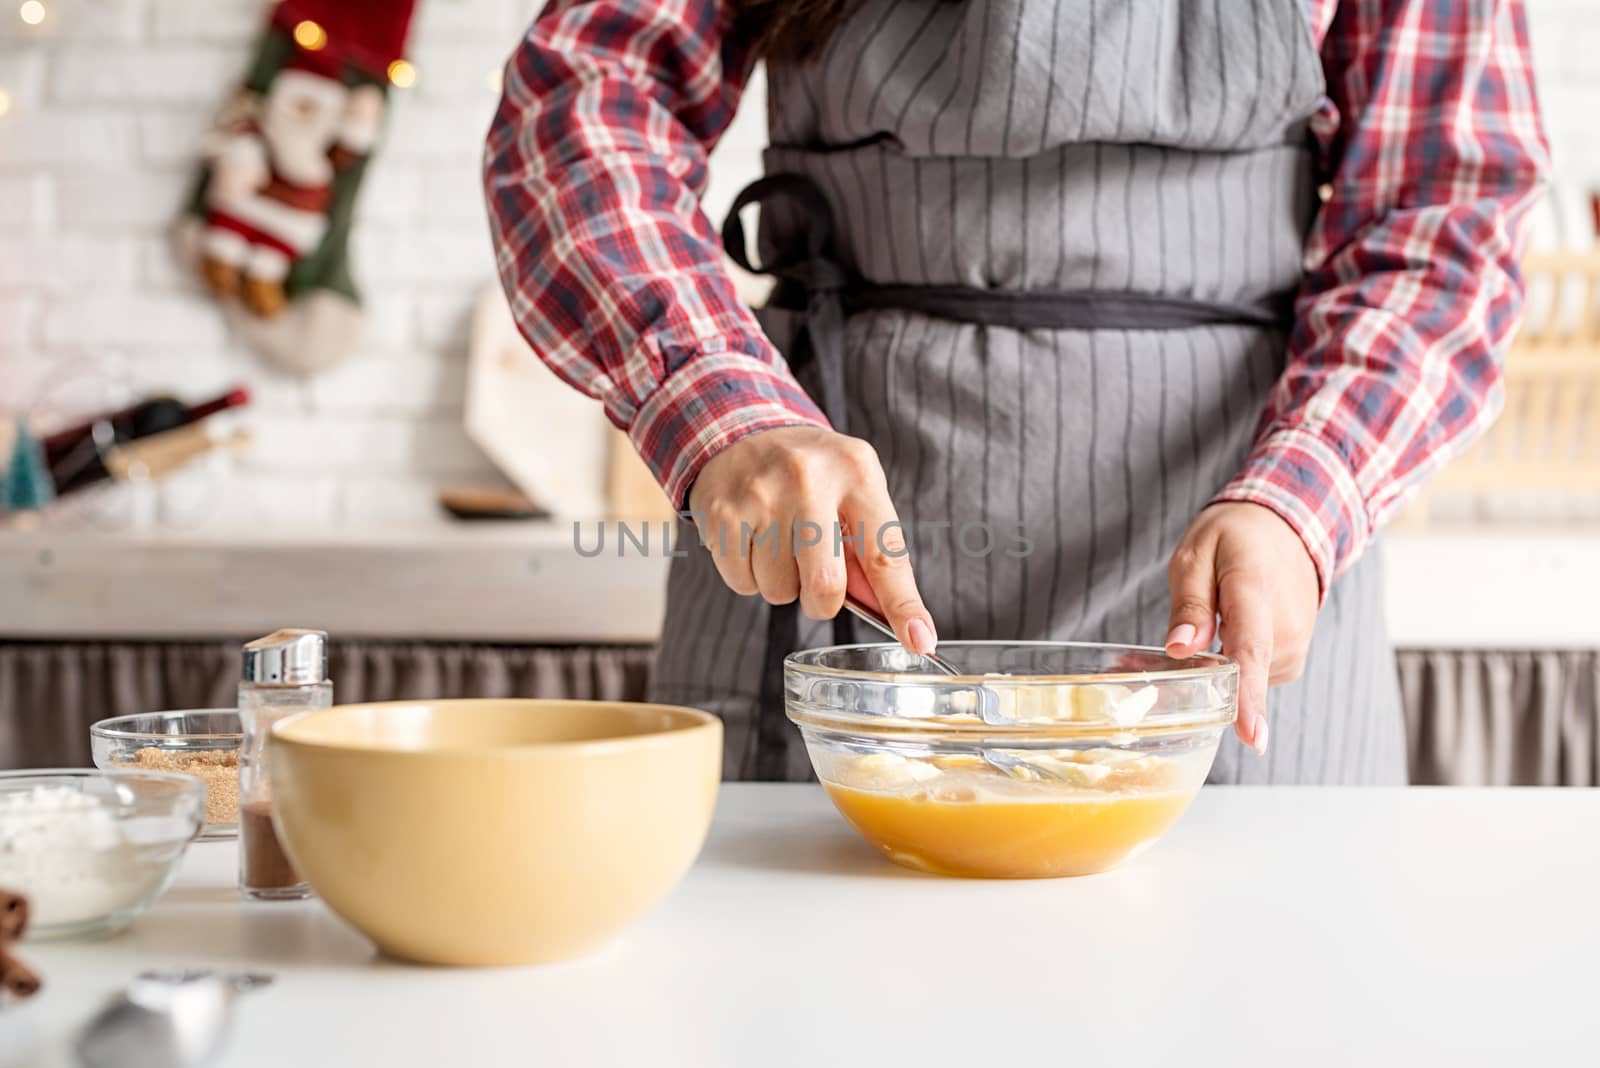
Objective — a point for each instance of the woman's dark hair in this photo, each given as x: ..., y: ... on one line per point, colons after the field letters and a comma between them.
x: 791, y: 30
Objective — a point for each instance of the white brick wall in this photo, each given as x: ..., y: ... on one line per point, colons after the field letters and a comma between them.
x: 109, y: 102
x: 110, y: 99
x: 24, y: 203
x: 1566, y: 43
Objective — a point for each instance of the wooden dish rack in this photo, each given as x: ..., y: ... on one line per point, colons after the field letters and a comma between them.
x: 1546, y: 443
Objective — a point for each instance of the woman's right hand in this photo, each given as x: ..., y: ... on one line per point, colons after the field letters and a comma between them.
x: 772, y: 507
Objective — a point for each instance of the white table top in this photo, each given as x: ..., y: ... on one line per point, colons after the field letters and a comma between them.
x: 1273, y: 927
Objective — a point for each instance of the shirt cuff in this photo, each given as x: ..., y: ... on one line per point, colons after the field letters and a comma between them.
x: 711, y: 401
x: 1306, y: 481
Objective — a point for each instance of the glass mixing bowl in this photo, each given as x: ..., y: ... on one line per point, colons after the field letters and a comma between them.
x: 1048, y: 759
x: 203, y: 742
x: 91, y: 850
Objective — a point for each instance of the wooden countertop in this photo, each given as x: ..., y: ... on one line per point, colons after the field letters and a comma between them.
x: 527, y: 583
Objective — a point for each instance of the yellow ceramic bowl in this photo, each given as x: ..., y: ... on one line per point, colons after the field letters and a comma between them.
x: 494, y: 832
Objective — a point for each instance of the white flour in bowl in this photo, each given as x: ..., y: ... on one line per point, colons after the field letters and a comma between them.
x: 67, y: 852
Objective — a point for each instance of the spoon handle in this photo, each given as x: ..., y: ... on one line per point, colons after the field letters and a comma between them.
x: 873, y: 619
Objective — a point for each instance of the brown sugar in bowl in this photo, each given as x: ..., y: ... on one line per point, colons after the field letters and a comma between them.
x: 494, y: 832
x: 202, y: 742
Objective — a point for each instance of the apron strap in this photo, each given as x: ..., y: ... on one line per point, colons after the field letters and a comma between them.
x: 1070, y: 309
x: 811, y: 281
x: 809, y: 271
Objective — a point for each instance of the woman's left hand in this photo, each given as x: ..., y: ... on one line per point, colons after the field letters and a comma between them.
x: 1243, y: 562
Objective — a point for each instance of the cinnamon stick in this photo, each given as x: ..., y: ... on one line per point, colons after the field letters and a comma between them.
x: 13, y: 916
x: 16, y: 978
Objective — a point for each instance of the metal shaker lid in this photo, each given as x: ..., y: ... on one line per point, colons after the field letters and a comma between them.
x: 289, y: 657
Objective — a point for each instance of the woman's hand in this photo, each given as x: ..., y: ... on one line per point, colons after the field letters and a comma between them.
x: 1244, y: 562
x: 771, y: 508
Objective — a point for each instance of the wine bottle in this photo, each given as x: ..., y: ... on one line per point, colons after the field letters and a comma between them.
x: 149, y: 416
x: 75, y: 458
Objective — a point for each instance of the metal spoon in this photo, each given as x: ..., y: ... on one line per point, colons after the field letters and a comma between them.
x: 988, y: 705
x: 1018, y: 768
x: 1008, y: 764
x: 165, y: 1020
x: 988, y: 700
x: 873, y: 619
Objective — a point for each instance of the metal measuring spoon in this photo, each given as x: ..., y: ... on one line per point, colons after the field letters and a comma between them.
x: 165, y: 1020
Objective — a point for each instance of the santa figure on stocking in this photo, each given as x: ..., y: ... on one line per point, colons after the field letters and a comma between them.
x: 269, y: 223
x: 272, y: 183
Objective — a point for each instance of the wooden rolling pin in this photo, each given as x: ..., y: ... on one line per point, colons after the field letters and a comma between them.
x: 160, y: 454
x: 480, y: 502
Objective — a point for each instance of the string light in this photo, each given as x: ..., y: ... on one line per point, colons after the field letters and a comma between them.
x: 310, y: 35
x: 5, y: 103
x: 402, y: 74
x: 32, y: 12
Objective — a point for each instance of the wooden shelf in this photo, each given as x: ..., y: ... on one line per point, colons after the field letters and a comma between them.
x: 525, y: 583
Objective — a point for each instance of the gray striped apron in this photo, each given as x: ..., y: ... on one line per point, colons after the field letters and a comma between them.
x: 1037, y: 253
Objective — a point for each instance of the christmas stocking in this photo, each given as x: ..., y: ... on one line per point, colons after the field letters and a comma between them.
x: 268, y: 226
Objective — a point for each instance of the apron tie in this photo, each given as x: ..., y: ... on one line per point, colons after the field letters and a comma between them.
x: 811, y: 279
x: 817, y: 361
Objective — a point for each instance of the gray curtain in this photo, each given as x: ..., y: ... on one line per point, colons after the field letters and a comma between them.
x: 1473, y: 718
x: 51, y: 692
x: 1502, y: 718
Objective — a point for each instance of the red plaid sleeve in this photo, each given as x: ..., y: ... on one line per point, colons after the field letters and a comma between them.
x: 1433, y: 151
x: 593, y: 170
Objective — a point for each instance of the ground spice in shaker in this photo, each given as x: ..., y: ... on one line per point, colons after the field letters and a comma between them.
x: 285, y: 674
x: 266, y: 865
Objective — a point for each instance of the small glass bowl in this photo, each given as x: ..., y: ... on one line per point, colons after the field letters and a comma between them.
x: 90, y: 869
x: 201, y: 742
x: 1101, y: 749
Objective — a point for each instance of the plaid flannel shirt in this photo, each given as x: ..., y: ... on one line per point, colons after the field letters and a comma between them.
x: 1429, y: 143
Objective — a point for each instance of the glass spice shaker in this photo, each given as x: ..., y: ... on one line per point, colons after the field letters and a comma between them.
x: 285, y: 673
